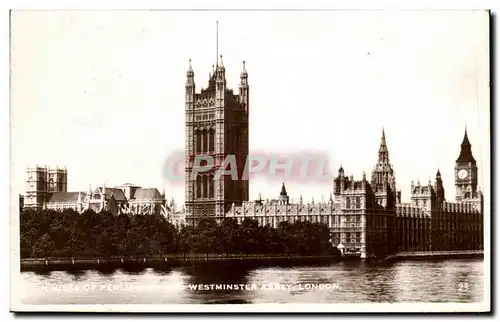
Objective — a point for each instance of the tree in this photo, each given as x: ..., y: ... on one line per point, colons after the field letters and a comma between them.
x: 44, y: 246
x: 229, y: 236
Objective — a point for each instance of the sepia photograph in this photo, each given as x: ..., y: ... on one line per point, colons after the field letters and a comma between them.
x: 250, y: 161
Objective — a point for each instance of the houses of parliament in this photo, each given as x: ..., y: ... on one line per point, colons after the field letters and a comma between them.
x: 366, y: 217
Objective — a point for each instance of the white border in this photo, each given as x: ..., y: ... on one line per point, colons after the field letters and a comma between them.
x: 214, y: 4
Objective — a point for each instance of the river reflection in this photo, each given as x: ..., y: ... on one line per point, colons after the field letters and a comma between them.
x: 457, y: 280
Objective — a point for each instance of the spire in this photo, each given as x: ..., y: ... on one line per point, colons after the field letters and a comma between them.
x: 466, y: 150
x: 383, y: 144
x: 465, y: 141
x: 438, y: 175
x: 244, y: 73
x: 283, y: 190
x: 190, y: 72
x: 221, y: 63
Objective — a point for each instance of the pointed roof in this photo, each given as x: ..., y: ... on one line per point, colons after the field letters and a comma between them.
x: 383, y: 143
x: 283, y: 190
x: 466, y: 150
x: 244, y: 71
x: 190, y: 71
x: 465, y: 141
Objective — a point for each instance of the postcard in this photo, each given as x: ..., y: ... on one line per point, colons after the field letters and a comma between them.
x: 250, y: 161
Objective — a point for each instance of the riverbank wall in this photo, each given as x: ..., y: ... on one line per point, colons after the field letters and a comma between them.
x: 32, y: 264
x: 439, y: 255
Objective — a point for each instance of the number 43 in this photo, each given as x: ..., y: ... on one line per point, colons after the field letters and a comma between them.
x: 463, y: 287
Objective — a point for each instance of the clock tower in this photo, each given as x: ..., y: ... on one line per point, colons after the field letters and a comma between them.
x: 465, y: 172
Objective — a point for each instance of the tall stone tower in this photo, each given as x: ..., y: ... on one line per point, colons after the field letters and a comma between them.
x: 36, y: 187
x: 41, y: 182
x: 465, y: 172
x: 383, y: 181
x: 57, y: 179
x: 216, y: 126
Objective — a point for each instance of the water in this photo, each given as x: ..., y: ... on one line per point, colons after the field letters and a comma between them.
x: 455, y: 280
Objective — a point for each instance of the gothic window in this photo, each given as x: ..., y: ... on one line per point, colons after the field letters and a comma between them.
x: 198, y: 141
x: 358, y: 202
x: 198, y: 187
x: 205, y: 187
x: 211, y: 141
x: 205, y: 141
x: 347, y: 202
x: 211, y: 186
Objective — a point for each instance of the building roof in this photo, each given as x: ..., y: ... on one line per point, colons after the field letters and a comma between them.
x: 117, y: 194
x: 58, y: 197
x: 466, y: 150
x: 147, y: 194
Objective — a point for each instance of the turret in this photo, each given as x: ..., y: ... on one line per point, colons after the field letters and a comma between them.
x: 283, y: 198
x: 190, y: 87
x: 244, y: 88
x: 383, y: 174
x: 439, y: 189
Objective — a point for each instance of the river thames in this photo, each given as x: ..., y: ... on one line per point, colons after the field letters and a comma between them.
x: 453, y: 280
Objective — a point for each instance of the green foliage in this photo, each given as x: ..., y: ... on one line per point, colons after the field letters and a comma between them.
x: 49, y: 233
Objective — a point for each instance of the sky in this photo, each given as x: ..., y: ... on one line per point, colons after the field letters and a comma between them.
x: 102, y: 92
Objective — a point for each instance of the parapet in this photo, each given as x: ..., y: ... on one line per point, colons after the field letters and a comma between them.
x: 465, y: 207
x: 252, y: 209
x: 407, y: 210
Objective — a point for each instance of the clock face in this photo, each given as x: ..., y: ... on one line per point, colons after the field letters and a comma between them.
x: 462, y: 174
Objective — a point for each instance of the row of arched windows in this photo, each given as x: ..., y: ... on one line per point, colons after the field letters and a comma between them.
x: 357, y: 202
x: 205, y: 140
x: 204, y: 186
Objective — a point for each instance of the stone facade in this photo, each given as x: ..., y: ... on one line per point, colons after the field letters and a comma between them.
x: 368, y: 219
x: 216, y: 126
x: 124, y: 199
x: 41, y: 182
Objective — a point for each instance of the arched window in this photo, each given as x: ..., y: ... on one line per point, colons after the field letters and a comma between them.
x: 347, y: 202
x: 205, y: 141
x: 205, y: 187
x: 358, y: 202
x: 211, y: 147
x: 211, y: 186
x: 198, y: 187
x: 198, y: 141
